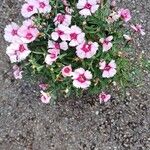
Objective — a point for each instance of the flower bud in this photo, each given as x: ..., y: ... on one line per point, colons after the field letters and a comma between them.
x: 84, y: 22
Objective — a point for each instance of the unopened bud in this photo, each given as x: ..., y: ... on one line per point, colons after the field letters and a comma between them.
x: 84, y: 22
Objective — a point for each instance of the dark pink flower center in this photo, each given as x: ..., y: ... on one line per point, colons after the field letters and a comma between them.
x: 106, y: 42
x: 86, y: 48
x: 42, y: 4
x: 81, y: 78
x: 52, y: 55
x: 30, y: 8
x: 107, y: 68
x: 67, y: 70
x: 29, y: 36
x: 103, y: 96
x: 44, y: 98
x: 60, y: 32
x: 124, y: 14
x: 57, y: 46
x: 73, y: 36
x: 22, y: 48
x: 14, y: 32
x: 60, y: 18
x: 88, y: 6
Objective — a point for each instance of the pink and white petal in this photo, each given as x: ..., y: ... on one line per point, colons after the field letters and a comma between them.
x: 64, y: 46
x: 95, y: 45
x: 64, y: 37
x: 88, y: 74
x: 86, y: 84
x: 81, y: 4
x: 80, y: 70
x: 50, y: 44
x: 112, y: 64
x: 102, y: 65
x: 107, y: 47
x: 112, y: 72
x: 108, y: 96
x: 81, y: 38
x: 105, y: 74
x: 48, y: 60
x: 54, y: 36
x: 73, y: 43
x: 75, y: 75
x: 80, y: 54
x: 85, y: 12
x: 75, y: 29
x: 109, y: 38
x: 79, y: 47
x: 92, y: 2
x: 23, y: 55
x: 90, y: 53
x: 76, y: 84
x: 94, y: 8
x: 68, y: 20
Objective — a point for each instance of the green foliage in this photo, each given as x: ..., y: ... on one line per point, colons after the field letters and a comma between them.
x: 95, y: 27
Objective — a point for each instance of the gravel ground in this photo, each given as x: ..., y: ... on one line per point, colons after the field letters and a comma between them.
x: 73, y: 124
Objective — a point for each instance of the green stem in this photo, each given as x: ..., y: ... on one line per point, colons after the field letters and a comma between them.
x: 39, y: 53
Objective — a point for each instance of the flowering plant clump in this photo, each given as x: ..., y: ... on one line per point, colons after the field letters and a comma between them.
x: 74, y: 45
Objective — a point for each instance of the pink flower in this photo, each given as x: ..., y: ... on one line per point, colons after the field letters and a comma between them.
x: 56, y: 45
x: 45, y: 97
x: 109, y: 70
x: 87, y: 7
x: 43, y: 6
x: 138, y: 28
x: 76, y: 36
x: 87, y: 50
x: 103, y: 97
x: 61, y: 32
x: 43, y: 86
x: 17, y: 52
x: 107, y: 45
x: 62, y: 19
x: 11, y: 33
x: 17, y: 72
x: 81, y: 78
x: 28, y: 33
x: 29, y: 8
x: 52, y: 56
x: 124, y: 14
x: 66, y: 71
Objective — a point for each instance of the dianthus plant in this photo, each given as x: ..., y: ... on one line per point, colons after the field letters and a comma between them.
x: 73, y: 46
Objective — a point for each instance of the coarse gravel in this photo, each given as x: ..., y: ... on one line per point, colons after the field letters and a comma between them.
x: 74, y: 123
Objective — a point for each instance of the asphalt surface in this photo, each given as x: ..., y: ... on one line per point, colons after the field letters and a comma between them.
x: 74, y: 123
